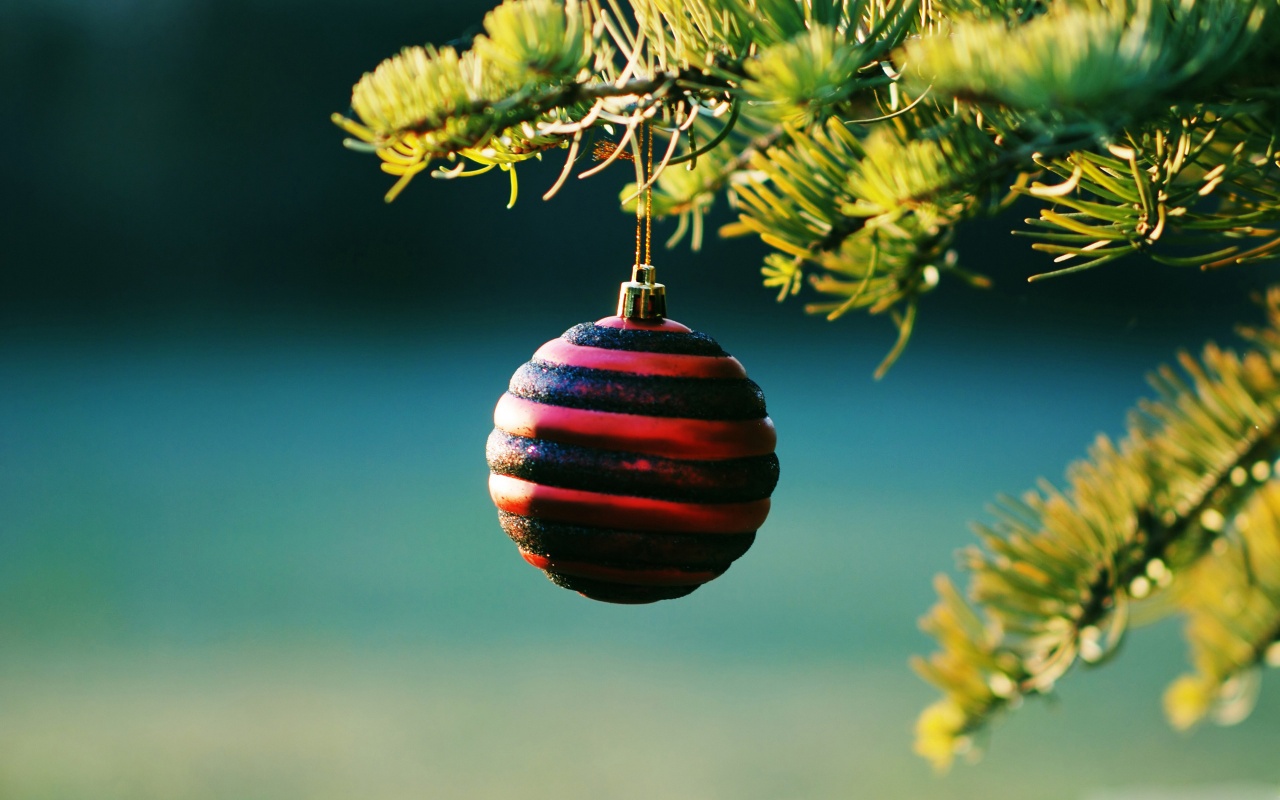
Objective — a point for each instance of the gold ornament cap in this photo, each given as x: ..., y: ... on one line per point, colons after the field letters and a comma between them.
x: 641, y: 297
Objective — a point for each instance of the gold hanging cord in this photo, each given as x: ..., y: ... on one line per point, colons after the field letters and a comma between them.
x: 645, y: 213
x: 641, y: 297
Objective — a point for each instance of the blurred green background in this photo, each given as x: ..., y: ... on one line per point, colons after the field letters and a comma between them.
x: 246, y: 547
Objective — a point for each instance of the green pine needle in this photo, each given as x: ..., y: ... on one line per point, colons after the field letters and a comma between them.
x: 1058, y: 570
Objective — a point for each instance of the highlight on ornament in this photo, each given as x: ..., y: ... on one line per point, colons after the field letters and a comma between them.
x: 632, y: 459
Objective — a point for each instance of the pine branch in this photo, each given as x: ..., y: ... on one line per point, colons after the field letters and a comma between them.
x: 874, y: 212
x: 690, y: 192
x: 1165, y: 111
x: 1111, y: 63
x: 1159, y: 117
x: 1214, y: 177
x: 544, y: 71
x: 1232, y: 603
x: 1059, y: 570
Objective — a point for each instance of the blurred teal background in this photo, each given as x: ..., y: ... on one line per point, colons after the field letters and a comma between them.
x: 246, y: 547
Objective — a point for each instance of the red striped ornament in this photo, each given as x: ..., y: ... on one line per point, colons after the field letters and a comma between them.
x: 632, y: 460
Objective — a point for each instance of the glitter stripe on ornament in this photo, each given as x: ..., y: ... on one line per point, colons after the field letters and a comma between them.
x: 647, y: 395
x: 621, y: 593
x: 619, y: 472
x: 642, y: 339
x: 674, y: 365
x: 625, y: 548
x: 660, y: 324
x: 670, y: 437
x: 637, y: 513
x: 646, y: 577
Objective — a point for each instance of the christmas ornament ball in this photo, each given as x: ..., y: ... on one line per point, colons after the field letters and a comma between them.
x: 632, y: 460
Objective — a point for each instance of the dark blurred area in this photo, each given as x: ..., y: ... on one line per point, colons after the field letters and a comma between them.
x: 170, y: 160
